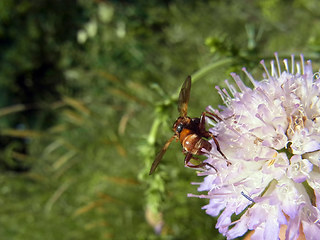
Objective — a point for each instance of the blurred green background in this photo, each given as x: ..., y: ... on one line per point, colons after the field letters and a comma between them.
x: 88, y: 94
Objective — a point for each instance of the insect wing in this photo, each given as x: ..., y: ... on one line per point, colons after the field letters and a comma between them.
x: 160, y: 155
x: 184, y: 97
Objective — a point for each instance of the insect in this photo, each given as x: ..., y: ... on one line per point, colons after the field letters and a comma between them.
x: 190, y: 131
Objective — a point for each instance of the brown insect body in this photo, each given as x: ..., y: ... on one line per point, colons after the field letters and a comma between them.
x: 190, y: 136
x: 190, y: 131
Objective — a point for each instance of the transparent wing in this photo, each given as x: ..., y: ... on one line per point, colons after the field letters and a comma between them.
x: 184, y: 97
x: 160, y: 155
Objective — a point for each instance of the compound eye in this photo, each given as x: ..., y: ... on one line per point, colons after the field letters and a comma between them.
x: 179, y: 128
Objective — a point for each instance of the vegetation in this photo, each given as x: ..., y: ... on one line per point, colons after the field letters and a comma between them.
x: 88, y: 93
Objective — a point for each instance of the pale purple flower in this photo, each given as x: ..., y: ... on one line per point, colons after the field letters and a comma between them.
x: 271, y: 136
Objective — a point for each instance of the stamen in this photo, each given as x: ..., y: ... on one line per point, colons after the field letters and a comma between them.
x: 239, y: 82
x: 292, y: 64
x: 198, y: 196
x: 247, y: 197
x: 273, y: 69
x: 316, y: 76
x: 265, y: 68
x: 231, y: 87
x: 278, y: 63
x: 285, y: 62
x: 298, y: 68
x: 272, y: 161
x: 223, y: 96
x: 250, y: 77
x: 302, y: 62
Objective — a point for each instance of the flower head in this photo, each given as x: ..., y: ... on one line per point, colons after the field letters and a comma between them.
x: 271, y: 136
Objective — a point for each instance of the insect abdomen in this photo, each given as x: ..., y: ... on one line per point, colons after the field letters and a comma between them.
x: 193, y: 144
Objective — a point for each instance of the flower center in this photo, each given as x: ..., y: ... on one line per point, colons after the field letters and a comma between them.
x: 296, y: 123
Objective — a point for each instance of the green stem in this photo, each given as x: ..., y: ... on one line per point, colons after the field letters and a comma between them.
x: 204, y: 71
x: 153, y: 132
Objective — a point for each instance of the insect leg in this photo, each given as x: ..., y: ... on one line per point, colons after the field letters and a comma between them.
x: 209, y: 134
x: 217, y: 145
x: 202, y: 124
x: 189, y: 156
x: 212, y: 116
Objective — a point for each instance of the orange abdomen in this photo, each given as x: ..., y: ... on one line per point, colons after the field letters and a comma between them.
x: 192, y: 143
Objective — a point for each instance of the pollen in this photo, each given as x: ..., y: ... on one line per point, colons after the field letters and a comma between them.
x: 273, y: 160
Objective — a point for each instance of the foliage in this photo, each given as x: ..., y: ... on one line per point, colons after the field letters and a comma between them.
x: 88, y: 96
